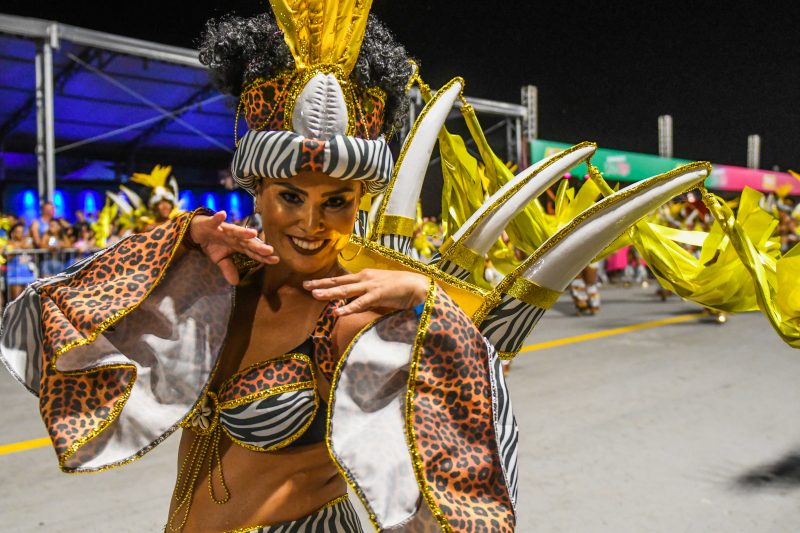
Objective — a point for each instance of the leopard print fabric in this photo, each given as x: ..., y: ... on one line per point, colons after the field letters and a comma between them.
x: 77, y: 405
x: 312, y: 156
x: 324, y: 354
x: 370, y: 115
x: 263, y: 376
x: 265, y: 104
x: 455, y: 436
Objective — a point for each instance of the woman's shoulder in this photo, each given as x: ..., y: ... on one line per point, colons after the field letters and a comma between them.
x: 349, y: 326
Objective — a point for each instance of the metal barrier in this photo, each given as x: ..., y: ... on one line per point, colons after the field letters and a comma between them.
x: 23, y: 266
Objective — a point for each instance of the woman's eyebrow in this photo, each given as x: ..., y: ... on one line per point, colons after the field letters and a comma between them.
x: 293, y: 188
x: 338, y: 191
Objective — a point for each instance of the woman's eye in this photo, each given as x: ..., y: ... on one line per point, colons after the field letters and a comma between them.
x: 336, y: 202
x: 291, y: 197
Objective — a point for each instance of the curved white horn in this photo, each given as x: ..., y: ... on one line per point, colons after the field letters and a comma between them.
x: 566, y: 253
x: 483, y: 228
x: 397, y: 212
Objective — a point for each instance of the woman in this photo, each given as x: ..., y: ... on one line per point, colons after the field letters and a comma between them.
x: 308, y: 221
x: 20, y: 267
x: 54, y: 240
x: 287, y: 374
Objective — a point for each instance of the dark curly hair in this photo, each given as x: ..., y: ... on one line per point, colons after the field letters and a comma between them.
x: 238, y: 50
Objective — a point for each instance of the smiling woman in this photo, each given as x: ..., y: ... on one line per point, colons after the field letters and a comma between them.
x: 294, y: 369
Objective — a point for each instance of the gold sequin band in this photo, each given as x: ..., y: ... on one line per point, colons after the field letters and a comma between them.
x: 464, y: 257
x: 397, y: 225
x: 532, y: 293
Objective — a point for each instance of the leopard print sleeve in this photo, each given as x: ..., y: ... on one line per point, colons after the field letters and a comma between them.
x: 418, y: 399
x: 120, y: 347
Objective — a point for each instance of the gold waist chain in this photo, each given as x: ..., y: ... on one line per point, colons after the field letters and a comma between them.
x: 204, y: 450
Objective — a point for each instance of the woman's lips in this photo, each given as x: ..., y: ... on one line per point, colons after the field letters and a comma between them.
x: 308, y: 247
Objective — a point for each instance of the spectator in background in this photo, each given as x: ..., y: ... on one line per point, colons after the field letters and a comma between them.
x: 40, y: 225
x: 20, y: 267
x: 55, y: 240
x: 84, y: 242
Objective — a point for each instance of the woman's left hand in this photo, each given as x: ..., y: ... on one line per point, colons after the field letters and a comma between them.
x: 372, y: 289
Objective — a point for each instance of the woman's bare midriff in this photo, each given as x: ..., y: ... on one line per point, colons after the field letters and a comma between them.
x: 265, y: 488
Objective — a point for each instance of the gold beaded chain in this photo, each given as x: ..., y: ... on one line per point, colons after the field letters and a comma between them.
x: 205, y: 424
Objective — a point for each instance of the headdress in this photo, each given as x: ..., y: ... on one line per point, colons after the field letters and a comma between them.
x: 162, y: 184
x: 314, y: 110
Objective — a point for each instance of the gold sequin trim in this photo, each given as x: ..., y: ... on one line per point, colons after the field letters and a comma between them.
x: 532, y: 293
x: 104, y: 424
x: 416, y: 459
x: 398, y: 225
x: 464, y: 257
x: 285, y: 357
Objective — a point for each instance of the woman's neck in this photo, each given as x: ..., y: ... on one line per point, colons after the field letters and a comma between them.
x: 278, y: 278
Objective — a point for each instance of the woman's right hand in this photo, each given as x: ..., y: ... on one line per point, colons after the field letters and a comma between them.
x: 220, y: 240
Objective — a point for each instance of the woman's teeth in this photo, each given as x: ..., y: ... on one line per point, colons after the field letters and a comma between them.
x: 306, y: 245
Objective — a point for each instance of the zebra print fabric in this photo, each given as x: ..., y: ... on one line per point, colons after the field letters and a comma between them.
x: 281, y: 154
x: 505, y: 424
x: 399, y: 243
x: 453, y: 269
x: 271, y: 421
x: 509, y: 324
x: 339, y: 516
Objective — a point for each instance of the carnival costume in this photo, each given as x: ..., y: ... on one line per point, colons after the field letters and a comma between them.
x: 121, y: 347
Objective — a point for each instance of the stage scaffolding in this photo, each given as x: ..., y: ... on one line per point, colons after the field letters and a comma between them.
x: 169, y: 103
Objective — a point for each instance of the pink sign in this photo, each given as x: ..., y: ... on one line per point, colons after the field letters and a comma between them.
x: 728, y: 178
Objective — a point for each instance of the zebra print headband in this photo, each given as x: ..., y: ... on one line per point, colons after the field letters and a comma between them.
x: 283, y: 154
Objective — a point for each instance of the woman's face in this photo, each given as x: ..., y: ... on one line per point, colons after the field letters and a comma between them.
x: 18, y: 233
x: 54, y: 227
x: 308, y: 219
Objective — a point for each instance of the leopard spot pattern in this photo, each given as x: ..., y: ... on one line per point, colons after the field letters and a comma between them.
x: 265, y: 104
x: 452, y: 421
x: 312, y: 156
x: 264, y: 376
x: 324, y: 355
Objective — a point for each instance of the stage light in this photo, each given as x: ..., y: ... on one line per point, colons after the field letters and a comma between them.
x: 210, y: 201
x: 58, y: 203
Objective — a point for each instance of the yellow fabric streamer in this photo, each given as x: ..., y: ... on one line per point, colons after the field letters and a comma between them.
x: 323, y: 32
x: 774, y: 280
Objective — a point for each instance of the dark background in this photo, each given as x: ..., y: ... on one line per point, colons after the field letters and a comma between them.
x: 604, y: 70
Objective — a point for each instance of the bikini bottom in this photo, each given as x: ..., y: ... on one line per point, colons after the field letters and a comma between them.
x: 336, y: 516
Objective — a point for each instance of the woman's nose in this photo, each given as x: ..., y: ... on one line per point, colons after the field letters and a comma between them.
x: 311, y: 218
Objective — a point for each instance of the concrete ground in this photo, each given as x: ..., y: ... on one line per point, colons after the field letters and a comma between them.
x: 651, y: 430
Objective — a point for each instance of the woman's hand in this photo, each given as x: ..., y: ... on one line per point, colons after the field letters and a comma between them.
x: 372, y: 289
x: 219, y: 240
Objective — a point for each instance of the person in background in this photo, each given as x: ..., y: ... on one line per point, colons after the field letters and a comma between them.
x: 40, y: 225
x: 20, y: 267
x: 55, y: 240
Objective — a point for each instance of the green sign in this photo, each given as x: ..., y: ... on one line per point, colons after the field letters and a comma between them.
x: 614, y: 164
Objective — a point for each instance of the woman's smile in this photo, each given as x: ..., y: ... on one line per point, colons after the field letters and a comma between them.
x: 308, y: 246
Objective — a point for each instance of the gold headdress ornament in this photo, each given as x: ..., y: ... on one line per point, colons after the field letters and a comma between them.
x: 323, y: 32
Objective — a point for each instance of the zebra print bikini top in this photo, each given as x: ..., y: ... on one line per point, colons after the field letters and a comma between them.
x: 274, y: 403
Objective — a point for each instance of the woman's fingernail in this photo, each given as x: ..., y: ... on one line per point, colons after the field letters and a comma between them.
x: 318, y: 292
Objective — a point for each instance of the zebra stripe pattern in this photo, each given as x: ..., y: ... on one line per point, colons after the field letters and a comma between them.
x: 509, y: 324
x: 21, y: 327
x: 448, y: 267
x: 505, y: 425
x: 399, y: 243
x: 362, y: 223
x: 279, y: 154
x: 339, y: 517
x: 271, y: 421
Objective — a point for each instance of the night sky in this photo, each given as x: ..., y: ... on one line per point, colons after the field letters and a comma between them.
x: 605, y: 70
